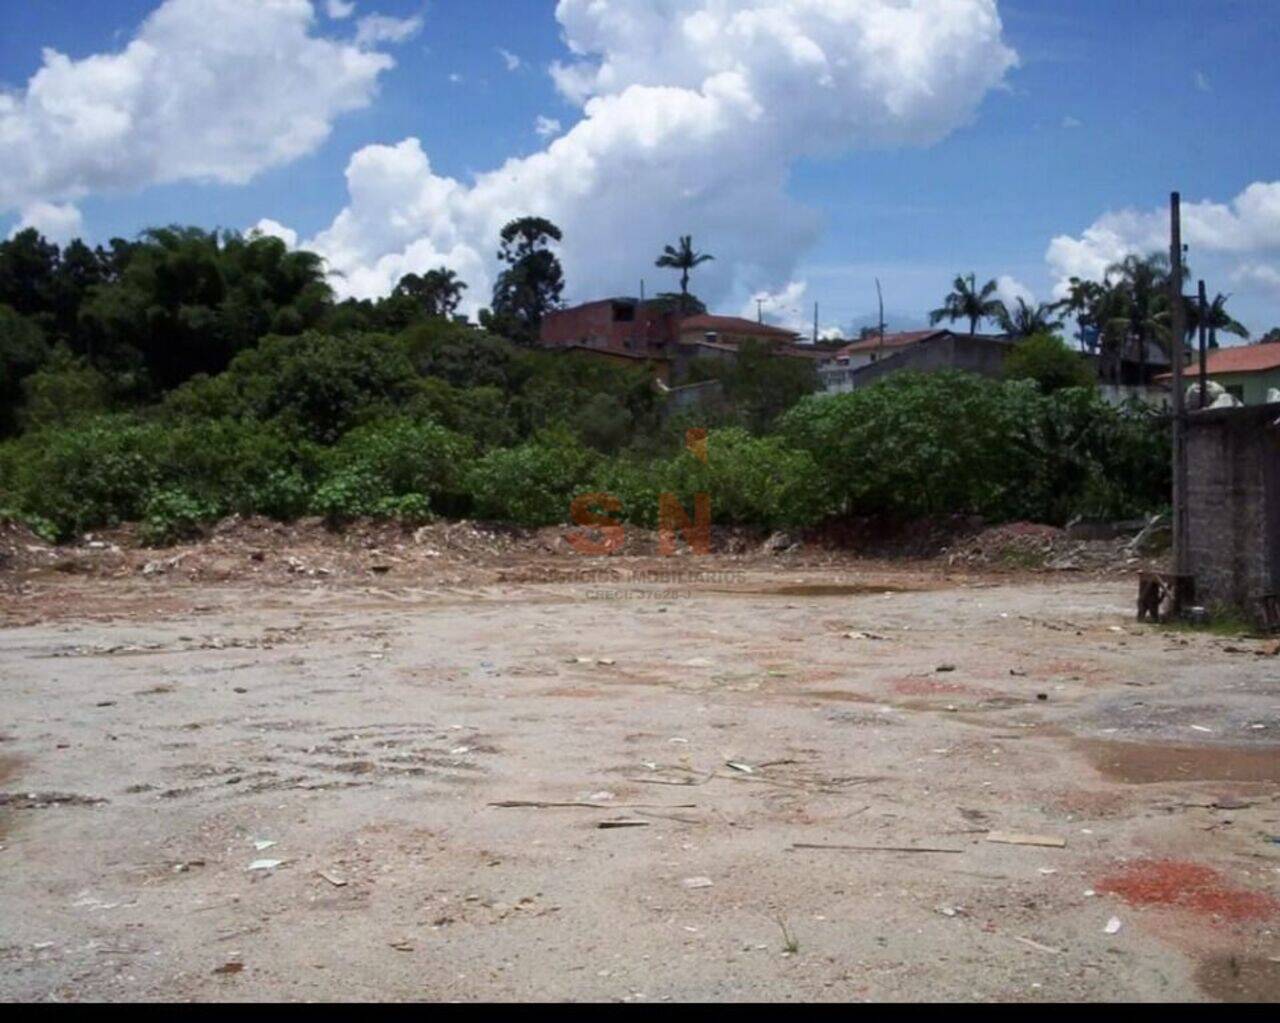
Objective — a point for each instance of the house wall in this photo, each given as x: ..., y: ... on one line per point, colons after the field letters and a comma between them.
x: 1233, y: 505
x: 595, y: 324
x: 983, y: 356
x: 1253, y: 386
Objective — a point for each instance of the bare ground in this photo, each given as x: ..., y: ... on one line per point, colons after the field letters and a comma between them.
x: 158, y: 730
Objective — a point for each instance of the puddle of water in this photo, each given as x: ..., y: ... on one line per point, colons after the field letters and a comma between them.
x: 1140, y: 763
x: 1235, y: 979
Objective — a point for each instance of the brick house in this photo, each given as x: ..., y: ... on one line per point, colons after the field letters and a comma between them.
x: 626, y: 330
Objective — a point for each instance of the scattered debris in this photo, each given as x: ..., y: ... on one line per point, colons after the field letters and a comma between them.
x: 1018, y: 838
x: 744, y: 768
x: 333, y: 879
x: 1113, y: 926
x: 623, y: 822
x: 229, y: 968
x: 697, y: 882
x: 264, y: 864
x: 262, y: 844
x: 942, y: 668
x: 1037, y: 946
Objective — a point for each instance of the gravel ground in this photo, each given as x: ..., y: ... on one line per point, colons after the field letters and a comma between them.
x: 158, y: 736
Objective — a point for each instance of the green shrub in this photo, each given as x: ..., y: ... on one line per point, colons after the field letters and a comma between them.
x: 533, y: 484
x: 943, y: 443
x: 316, y: 386
x: 751, y: 481
x: 1050, y: 363
x: 172, y: 515
x: 376, y: 470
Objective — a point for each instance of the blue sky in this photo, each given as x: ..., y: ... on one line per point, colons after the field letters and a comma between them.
x: 1112, y: 103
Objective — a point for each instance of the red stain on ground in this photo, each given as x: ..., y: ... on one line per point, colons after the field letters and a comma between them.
x: 1191, y: 886
x: 914, y: 685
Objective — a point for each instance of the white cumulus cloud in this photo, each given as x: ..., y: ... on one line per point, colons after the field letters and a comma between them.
x: 271, y: 229
x: 340, y: 9
x: 207, y: 90
x: 58, y: 222
x: 547, y: 127
x: 692, y: 113
x: 512, y: 62
x: 375, y: 29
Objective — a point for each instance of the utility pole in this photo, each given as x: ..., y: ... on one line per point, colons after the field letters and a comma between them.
x: 880, y: 297
x: 760, y: 310
x: 815, y: 323
x: 1178, y: 309
x: 1204, y: 357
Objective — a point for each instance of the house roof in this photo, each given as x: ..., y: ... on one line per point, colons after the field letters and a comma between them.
x: 1238, y: 359
x: 899, y: 340
x: 732, y: 325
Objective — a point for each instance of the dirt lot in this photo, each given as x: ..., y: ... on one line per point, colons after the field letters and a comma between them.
x: 355, y: 714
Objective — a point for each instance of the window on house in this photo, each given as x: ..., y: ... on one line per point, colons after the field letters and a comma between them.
x: 624, y: 313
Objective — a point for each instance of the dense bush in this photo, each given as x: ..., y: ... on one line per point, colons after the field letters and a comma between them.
x: 397, y: 468
x: 110, y: 469
x: 533, y: 484
x: 914, y: 445
x: 1050, y: 363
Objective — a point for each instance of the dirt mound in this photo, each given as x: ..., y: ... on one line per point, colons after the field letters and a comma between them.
x: 885, y: 537
x: 21, y: 548
x: 1030, y: 546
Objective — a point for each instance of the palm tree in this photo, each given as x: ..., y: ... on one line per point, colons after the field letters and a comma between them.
x: 1081, y: 303
x: 1146, y: 278
x: 682, y: 257
x: 966, y: 302
x: 1216, y: 318
x: 1027, y: 320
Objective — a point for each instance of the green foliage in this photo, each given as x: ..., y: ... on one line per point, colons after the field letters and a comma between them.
x: 532, y: 283
x: 316, y: 385
x: 913, y: 445
x: 757, y: 481
x: 759, y: 385
x: 172, y: 515
x: 23, y: 350
x: 533, y: 484
x: 393, y: 467
x: 65, y: 390
x: 1049, y: 363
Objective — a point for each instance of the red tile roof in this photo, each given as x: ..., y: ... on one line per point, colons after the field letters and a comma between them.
x: 732, y: 325
x: 1238, y: 359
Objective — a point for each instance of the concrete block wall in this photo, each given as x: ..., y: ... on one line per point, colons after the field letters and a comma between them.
x: 1233, y: 511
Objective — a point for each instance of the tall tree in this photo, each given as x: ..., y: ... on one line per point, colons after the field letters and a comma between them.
x: 1080, y: 304
x: 531, y: 285
x: 439, y: 292
x: 967, y: 302
x: 1146, y: 278
x: 682, y: 257
x: 1027, y: 320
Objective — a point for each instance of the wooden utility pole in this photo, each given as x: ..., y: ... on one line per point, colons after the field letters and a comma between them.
x: 760, y: 310
x: 1178, y: 312
x: 815, y: 323
x: 1204, y: 356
